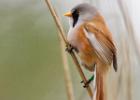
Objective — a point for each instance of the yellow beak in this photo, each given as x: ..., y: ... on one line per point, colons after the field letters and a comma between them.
x: 68, y: 14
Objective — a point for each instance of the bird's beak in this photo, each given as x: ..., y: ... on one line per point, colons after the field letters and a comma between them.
x: 68, y: 14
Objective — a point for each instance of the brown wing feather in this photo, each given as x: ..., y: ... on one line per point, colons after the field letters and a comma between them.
x: 104, y: 37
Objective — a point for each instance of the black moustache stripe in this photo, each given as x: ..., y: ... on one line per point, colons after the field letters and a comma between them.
x: 75, y: 16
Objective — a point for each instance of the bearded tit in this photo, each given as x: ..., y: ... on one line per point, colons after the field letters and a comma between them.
x: 90, y: 37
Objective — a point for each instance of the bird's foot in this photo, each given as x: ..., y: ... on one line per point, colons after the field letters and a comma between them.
x: 88, y: 82
x: 69, y: 48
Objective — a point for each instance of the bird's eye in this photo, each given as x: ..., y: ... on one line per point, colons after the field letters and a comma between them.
x: 75, y: 12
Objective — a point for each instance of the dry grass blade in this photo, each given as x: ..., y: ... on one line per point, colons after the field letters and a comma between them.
x: 129, y: 27
x: 67, y: 76
x: 61, y: 31
x: 128, y: 24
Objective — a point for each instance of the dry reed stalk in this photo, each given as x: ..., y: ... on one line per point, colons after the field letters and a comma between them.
x: 127, y: 60
x: 61, y: 31
x: 67, y: 76
x: 126, y: 77
x: 128, y: 24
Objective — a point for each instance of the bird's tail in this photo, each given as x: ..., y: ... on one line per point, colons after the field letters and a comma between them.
x: 100, y: 87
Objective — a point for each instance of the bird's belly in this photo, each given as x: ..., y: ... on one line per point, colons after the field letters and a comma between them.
x: 88, y: 60
x: 78, y: 40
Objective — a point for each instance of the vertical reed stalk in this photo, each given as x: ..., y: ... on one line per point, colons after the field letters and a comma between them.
x: 130, y: 30
x: 67, y: 76
x: 61, y: 31
x: 128, y: 24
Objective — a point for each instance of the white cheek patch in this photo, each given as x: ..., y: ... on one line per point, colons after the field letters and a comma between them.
x: 70, y: 21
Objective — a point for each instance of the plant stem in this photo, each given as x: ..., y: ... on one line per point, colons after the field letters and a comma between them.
x: 61, y: 31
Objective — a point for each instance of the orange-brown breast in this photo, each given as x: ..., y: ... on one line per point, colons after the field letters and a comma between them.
x: 86, y: 51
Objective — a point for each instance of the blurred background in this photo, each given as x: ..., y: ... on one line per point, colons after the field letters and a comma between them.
x: 30, y: 55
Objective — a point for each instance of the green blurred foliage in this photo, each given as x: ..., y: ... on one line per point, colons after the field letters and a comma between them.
x: 30, y: 57
x: 30, y: 63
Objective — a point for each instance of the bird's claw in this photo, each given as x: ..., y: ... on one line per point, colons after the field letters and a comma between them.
x: 85, y: 84
x: 69, y: 48
x: 88, y: 82
x: 82, y: 81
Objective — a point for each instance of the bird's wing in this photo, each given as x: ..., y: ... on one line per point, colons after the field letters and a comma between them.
x: 102, y: 43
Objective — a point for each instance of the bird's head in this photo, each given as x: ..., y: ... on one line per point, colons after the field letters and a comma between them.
x: 80, y: 13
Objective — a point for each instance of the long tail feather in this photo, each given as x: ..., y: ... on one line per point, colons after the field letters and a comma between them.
x: 100, y: 85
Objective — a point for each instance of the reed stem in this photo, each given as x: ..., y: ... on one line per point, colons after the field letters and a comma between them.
x: 61, y: 33
x: 67, y: 76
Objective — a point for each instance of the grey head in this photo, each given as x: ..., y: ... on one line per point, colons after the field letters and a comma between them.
x: 83, y: 12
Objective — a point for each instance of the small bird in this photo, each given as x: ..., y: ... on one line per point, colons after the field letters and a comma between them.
x: 90, y: 37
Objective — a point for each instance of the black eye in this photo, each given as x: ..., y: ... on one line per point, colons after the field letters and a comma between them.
x: 75, y: 15
x: 74, y: 12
